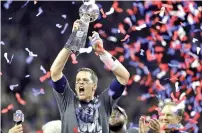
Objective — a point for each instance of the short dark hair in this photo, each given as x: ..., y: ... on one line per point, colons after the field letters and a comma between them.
x: 93, y: 74
x: 180, y: 112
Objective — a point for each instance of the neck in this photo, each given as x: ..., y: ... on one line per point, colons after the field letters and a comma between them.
x: 88, y: 99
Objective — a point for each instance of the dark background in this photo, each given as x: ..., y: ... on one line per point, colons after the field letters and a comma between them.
x: 42, y: 37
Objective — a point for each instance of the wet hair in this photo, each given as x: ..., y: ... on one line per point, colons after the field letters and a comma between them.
x: 180, y: 112
x: 93, y: 74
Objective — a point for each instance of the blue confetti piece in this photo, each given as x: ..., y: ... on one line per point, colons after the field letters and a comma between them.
x: 132, y: 63
x: 138, y: 71
x: 133, y: 18
x: 171, y: 51
x: 156, y: 71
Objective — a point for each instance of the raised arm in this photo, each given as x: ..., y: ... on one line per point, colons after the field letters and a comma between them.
x: 59, y: 63
x: 122, y: 75
x: 61, y: 59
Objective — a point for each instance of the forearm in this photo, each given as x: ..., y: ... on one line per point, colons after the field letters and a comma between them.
x: 117, y: 68
x: 59, y: 63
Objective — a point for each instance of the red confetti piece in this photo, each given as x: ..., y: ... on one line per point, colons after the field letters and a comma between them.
x: 75, y: 130
x: 103, y: 14
x: 74, y: 61
x: 125, y: 38
x: 19, y: 99
x: 43, y: 78
x: 98, y: 25
x: 5, y: 110
x: 159, y: 49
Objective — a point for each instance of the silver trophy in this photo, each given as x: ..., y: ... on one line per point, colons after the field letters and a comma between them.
x: 88, y: 12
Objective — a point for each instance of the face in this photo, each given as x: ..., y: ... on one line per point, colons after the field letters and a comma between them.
x: 169, y: 116
x: 116, y: 117
x: 85, y: 87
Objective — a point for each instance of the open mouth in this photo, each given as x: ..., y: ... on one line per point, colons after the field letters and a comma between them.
x: 81, y: 90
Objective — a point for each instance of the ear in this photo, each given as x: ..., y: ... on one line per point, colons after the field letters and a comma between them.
x: 95, y: 87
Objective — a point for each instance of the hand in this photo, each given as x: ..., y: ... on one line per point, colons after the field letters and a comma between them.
x: 76, y: 25
x: 16, y: 129
x: 143, y: 128
x: 154, y: 124
x: 97, y: 43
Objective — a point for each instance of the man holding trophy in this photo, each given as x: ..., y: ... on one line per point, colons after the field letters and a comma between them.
x: 82, y: 112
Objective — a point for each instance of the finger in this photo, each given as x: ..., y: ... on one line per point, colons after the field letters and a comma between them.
x: 20, y: 129
x: 90, y: 38
x: 156, y: 122
x: 18, y: 126
x: 153, y: 125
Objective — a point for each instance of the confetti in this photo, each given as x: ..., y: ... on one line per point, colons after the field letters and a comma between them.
x: 5, y: 110
x: 2, y: 43
x: 42, y: 68
x: 110, y: 11
x: 38, y: 92
x: 103, y: 14
x: 40, y: 11
x: 27, y: 76
x: 194, y: 40
x: 140, y: 27
x: 35, y: 2
x: 29, y: 59
x: 45, y: 77
x: 85, y: 50
x: 112, y: 38
x: 64, y: 16
x: 125, y: 38
x: 59, y: 26
x: 198, y: 50
x: 10, y: 18
x: 31, y: 53
x: 19, y: 99
x: 98, y: 25
x: 64, y: 29
x: 6, y: 57
x: 25, y: 4
x: 13, y: 86
x: 177, y: 86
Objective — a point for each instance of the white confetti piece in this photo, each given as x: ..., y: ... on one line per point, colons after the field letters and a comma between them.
x: 27, y: 76
x: 42, y: 68
x: 193, y: 113
x: 194, y: 85
x: 161, y: 74
x: 64, y: 16
x: 13, y: 86
x: 140, y: 27
x: 161, y: 14
x: 198, y: 50
x: 25, y: 4
x: 137, y: 78
x: 2, y: 43
x: 58, y: 25
x: 128, y: 21
x: 10, y: 18
x: 112, y: 38
x: 142, y: 52
x: 110, y: 11
x: 38, y: 92
x: 195, y: 64
x: 85, y: 50
x: 65, y: 27
x: 6, y: 56
x: 194, y: 40
x: 40, y: 11
x: 177, y: 86
x: 31, y: 53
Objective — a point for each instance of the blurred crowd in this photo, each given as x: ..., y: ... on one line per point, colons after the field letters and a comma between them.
x: 158, y: 42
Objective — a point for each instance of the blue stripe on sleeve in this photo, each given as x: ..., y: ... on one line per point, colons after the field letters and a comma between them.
x: 60, y: 85
x: 117, y: 88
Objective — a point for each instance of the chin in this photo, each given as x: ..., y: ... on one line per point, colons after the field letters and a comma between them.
x: 81, y: 97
